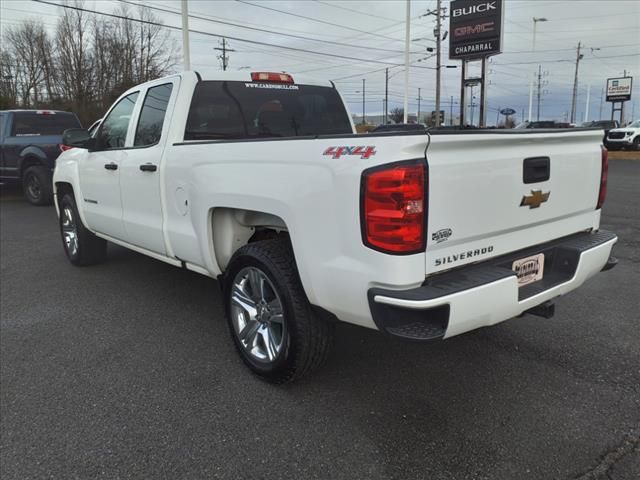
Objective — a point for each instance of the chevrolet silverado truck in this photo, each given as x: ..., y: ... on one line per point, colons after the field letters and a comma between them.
x: 258, y: 180
x: 30, y: 142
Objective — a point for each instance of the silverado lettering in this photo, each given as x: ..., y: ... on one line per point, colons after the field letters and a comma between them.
x: 463, y: 255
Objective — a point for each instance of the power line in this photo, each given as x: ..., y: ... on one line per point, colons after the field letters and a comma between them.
x: 264, y: 30
x: 332, y: 24
x: 200, y: 32
x: 355, y: 11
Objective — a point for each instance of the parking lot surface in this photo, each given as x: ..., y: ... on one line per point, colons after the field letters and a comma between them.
x: 126, y: 370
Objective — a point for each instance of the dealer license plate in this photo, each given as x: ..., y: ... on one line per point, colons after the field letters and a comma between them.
x: 529, y: 269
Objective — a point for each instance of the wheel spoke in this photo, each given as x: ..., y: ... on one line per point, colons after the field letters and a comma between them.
x: 275, y: 307
x: 241, y: 299
x: 269, y: 343
x: 249, y: 332
x: 256, y: 280
x: 277, y: 318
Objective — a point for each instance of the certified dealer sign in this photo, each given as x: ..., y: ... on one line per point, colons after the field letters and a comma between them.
x: 475, y: 28
x: 619, y: 89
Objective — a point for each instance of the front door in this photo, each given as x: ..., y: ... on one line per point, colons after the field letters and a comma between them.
x: 100, y: 171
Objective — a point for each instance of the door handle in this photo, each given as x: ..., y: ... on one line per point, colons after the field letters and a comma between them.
x: 148, y: 167
x: 111, y: 166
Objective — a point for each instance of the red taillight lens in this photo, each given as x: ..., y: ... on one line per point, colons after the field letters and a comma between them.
x: 272, y: 77
x: 64, y: 148
x: 393, y: 208
x: 603, y: 178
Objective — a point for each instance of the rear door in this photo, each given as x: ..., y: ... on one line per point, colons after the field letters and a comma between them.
x: 100, y: 170
x: 140, y: 170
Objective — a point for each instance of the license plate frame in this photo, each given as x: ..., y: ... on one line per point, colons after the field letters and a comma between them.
x: 529, y: 269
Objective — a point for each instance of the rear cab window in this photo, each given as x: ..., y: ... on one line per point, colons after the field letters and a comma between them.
x: 242, y: 110
x: 151, y: 120
x: 42, y: 123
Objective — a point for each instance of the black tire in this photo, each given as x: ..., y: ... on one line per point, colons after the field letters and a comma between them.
x: 36, y: 185
x: 308, y: 338
x: 89, y: 249
x: 636, y: 143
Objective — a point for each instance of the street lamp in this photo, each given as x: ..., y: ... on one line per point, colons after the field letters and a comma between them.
x: 533, y: 49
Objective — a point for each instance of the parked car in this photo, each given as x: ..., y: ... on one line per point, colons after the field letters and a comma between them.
x: 261, y: 182
x: 625, y: 137
x: 606, y: 125
x: 30, y: 142
x: 399, y: 127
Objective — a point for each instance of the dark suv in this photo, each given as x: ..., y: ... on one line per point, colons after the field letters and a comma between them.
x: 30, y: 142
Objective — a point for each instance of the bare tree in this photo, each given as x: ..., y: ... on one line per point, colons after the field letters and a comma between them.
x: 25, y: 60
x: 87, y: 63
x: 396, y: 114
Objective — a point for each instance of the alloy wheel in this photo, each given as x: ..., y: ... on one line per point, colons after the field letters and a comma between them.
x: 257, y: 315
x: 69, y: 231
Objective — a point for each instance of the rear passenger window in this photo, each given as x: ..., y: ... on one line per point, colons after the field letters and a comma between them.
x: 152, y: 115
x: 113, y: 131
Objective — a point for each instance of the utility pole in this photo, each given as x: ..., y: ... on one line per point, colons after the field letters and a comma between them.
x: 185, y: 35
x: 386, y: 95
x: 224, y: 57
x: 533, y: 49
x: 438, y: 40
x: 407, y: 35
x: 363, y: 101
x: 622, y: 122
x: 574, y: 98
x: 451, y: 111
x: 419, y: 98
x: 539, y: 92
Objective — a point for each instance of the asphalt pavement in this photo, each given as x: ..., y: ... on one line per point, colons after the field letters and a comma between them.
x: 126, y: 370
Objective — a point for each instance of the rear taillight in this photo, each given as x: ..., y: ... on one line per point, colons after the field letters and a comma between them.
x: 393, y: 208
x: 64, y: 148
x: 604, y: 173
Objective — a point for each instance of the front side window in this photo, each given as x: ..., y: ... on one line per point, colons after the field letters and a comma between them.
x: 237, y: 110
x: 113, y: 131
x: 152, y: 115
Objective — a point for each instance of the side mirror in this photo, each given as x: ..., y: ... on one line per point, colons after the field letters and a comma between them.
x: 76, y: 137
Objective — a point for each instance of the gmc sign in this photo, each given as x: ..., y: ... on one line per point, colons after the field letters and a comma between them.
x: 475, y: 28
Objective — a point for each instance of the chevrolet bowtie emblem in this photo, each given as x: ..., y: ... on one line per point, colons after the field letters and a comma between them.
x: 534, y: 200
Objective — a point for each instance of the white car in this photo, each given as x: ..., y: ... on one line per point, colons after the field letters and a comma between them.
x: 624, y: 137
x: 260, y: 181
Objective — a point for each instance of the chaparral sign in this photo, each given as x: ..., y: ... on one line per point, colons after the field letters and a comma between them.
x: 475, y: 28
x: 619, y: 89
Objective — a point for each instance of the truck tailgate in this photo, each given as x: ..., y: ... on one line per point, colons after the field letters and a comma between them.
x: 488, y: 194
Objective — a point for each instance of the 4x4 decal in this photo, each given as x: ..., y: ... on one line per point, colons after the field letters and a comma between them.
x: 364, y: 152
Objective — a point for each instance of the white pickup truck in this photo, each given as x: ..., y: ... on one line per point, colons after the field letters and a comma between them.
x: 258, y: 180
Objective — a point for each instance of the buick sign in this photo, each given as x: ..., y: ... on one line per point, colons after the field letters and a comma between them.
x: 619, y: 89
x: 475, y: 28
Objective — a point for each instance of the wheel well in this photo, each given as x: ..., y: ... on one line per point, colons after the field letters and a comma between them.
x: 62, y: 188
x: 233, y: 228
x: 29, y: 161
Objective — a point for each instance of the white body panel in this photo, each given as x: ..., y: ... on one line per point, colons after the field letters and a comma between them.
x: 474, y: 189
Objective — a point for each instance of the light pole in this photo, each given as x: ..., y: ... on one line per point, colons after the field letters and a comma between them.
x: 419, y: 98
x: 407, y: 36
x: 533, y: 49
x: 185, y: 36
x: 574, y: 97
